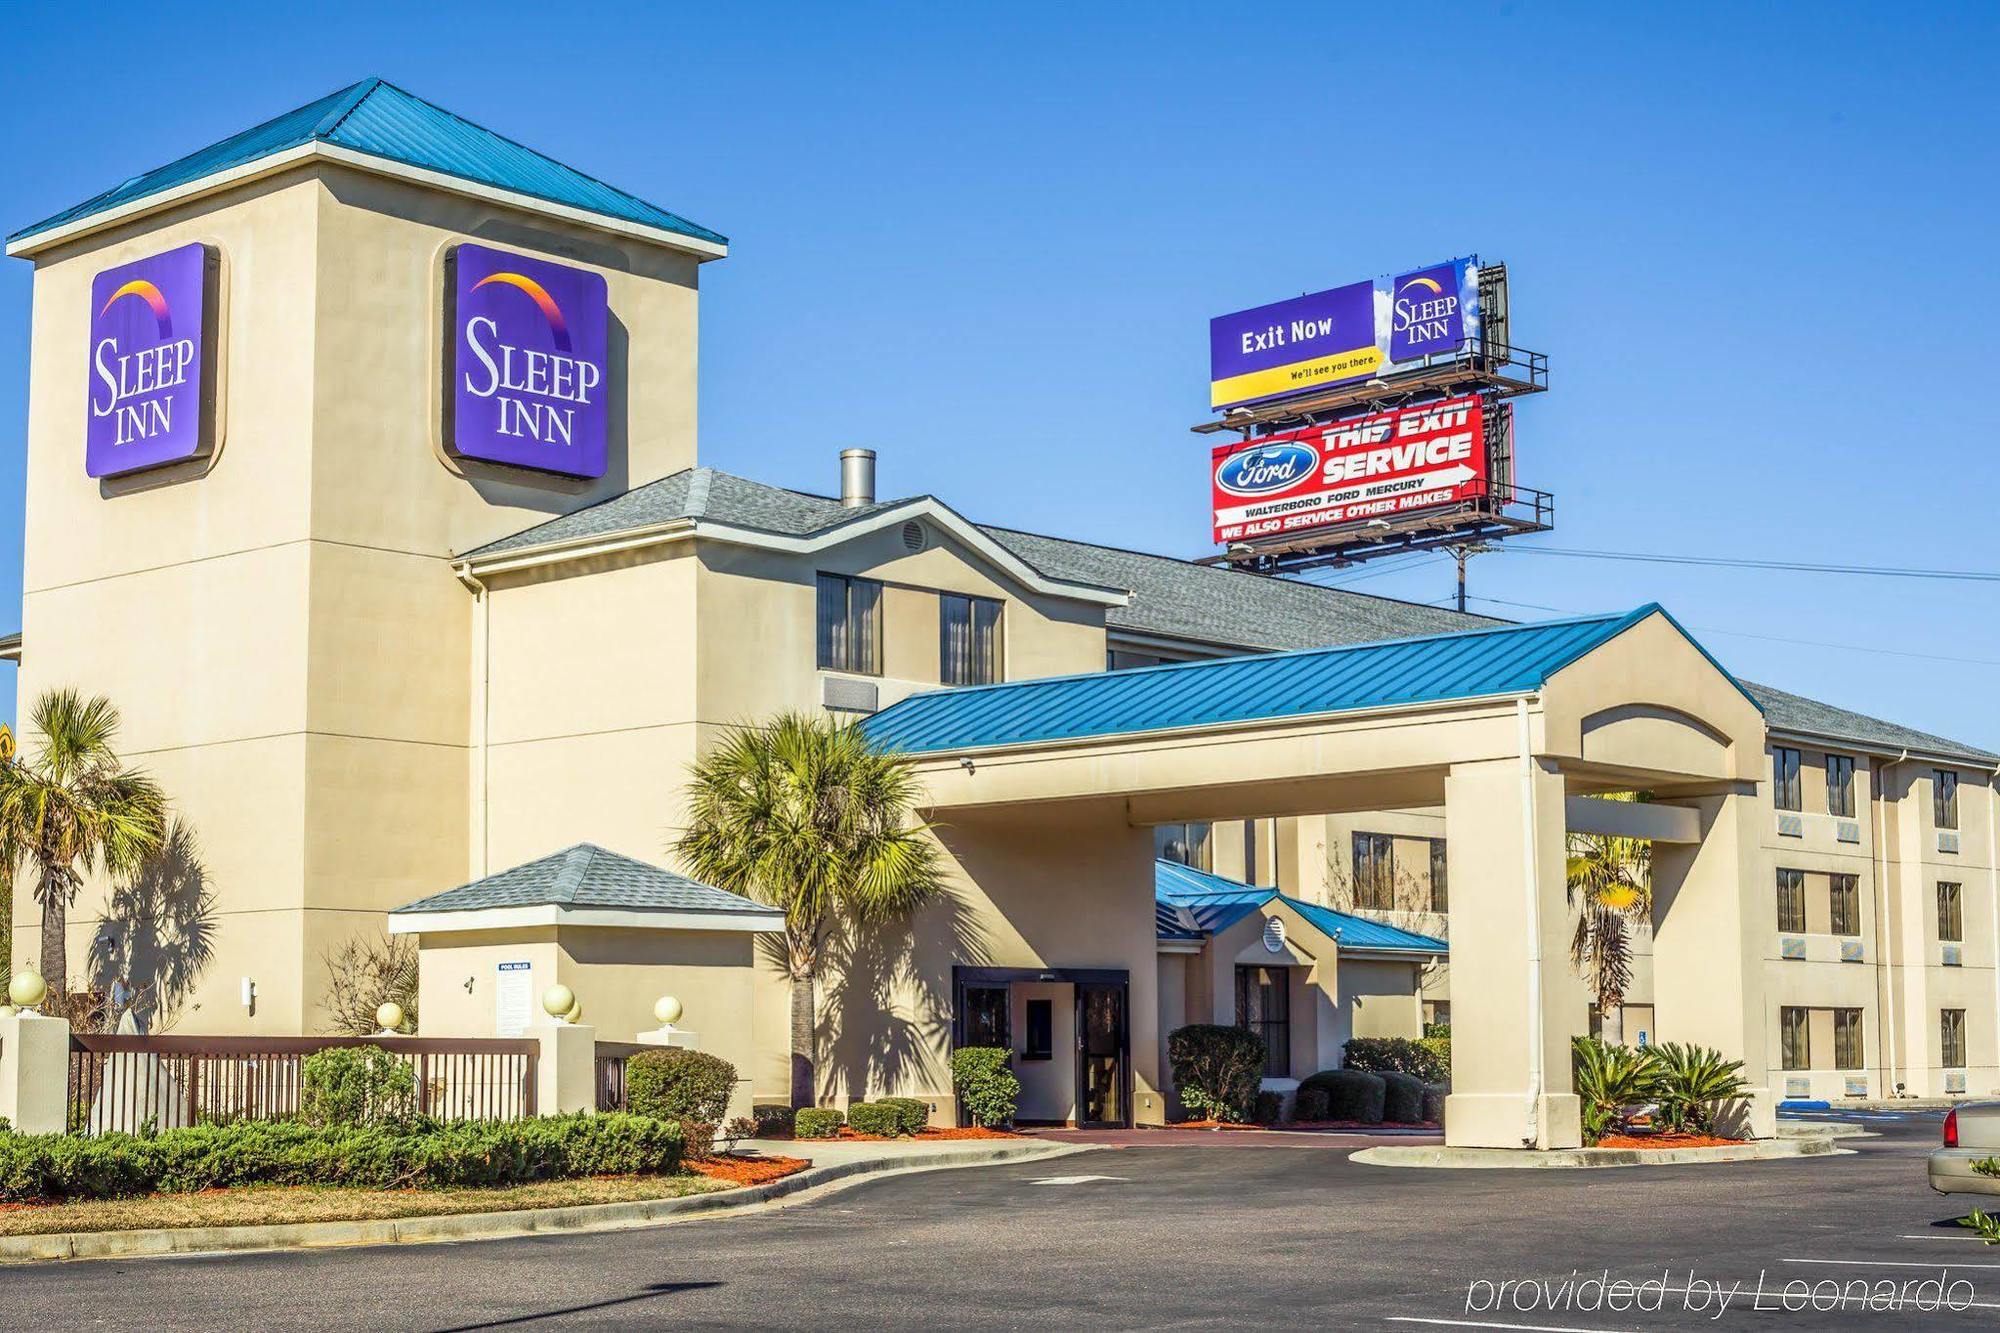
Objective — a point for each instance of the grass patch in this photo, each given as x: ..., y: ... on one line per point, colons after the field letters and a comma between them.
x: 258, y: 1205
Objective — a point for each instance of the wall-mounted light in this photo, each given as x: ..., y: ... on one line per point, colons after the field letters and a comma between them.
x: 468, y: 985
x: 249, y: 995
x: 966, y: 764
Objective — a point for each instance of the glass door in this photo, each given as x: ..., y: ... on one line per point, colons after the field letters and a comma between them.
x: 1101, y: 1040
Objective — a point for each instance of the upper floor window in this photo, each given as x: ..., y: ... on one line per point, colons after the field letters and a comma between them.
x: 1844, y: 904
x: 850, y: 624
x: 1944, y: 798
x: 1794, y: 1038
x: 1374, y: 871
x: 1849, y: 1050
x: 1951, y: 913
x: 968, y: 639
x: 1951, y: 1037
x: 1784, y: 778
x: 1840, y: 785
x: 1185, y: 843
x: 1792, y: 901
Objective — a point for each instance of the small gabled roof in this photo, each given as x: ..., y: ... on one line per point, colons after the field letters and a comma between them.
x: 1504, y: 660
x: 587, y: 876
x: 378, y: 120
x: 1190, y: 905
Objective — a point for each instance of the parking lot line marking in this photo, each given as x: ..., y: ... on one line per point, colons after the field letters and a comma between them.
x: 1482, y: 1323
x: 1889, y: 1263
x: 1071, y: 1180
x: 1943, y: 1235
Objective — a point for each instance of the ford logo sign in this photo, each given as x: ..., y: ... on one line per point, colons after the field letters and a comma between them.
x: 1267, y: 468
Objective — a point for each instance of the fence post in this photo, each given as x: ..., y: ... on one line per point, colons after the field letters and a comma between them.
x: 566, y: 1072
x: 34, y: 1073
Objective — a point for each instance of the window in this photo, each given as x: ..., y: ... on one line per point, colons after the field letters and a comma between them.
x: 1951, y: 913
x: 1784, y: 778
x: 1440, y: 897
x: 1847, y: 1048
x: 1844, y: 904
x: 1041, y: 1043
x: 850, y: 631
x: 986, y: 1016
x: 968, y: 640
x: 1795, y: 1047
x: 1374, y: 871
x: 1124, y: 659
x: 1944, y: 798
x: 1840, y: 785
x: 1185, y: 843
x: 1792, y: 901
x: 1250, y: 851
x: 1951, y: 1037
x: 1264, y: 1005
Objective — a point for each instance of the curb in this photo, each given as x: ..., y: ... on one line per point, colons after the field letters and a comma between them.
x: 797, y: 1188
x: 1521, y: 1159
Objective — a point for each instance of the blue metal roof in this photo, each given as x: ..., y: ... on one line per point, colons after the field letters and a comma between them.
x: 1190, y: 905
x: 1505, y: 659
x: 382, y: 120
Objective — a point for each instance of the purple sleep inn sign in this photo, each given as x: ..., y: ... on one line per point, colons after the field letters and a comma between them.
x: 152, y: 362
x: 528, y: 368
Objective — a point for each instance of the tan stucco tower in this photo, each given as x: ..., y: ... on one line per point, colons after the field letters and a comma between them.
x: 280, y: 621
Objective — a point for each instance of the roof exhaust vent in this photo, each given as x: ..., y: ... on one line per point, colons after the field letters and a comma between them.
x: 857, y: 478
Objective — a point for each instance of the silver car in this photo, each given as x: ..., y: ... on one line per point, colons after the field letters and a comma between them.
x: 1971, y: 1134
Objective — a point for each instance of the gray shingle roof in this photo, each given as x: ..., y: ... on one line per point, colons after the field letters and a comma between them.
x: 1172, y: 598
x: 588, y: 876
x: 1784, y: 711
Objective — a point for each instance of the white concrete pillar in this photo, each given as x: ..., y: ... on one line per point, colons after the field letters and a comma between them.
x: 1516, y: 1002
x: 34, y: 1072
x: 1712, y: 923
x: 566, y: 1073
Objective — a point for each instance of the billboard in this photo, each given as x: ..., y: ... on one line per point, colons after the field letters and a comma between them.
x: 528, y: 371
x: 1380, y: 466
x: 1345, y: 334
x: 152, y: 363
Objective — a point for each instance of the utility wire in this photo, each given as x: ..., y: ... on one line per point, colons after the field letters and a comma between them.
x: 1730, y: 562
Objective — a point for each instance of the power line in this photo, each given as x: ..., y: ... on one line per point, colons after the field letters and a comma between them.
x: 1791, y: 566
x: 1768, y: 638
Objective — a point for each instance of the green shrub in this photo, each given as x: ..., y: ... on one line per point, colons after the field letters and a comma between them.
x: 1427, y: 1059
x: 817, y: 1122
x: 1216, y: 1069
x: 913, y: 1113
x: 1608, y: 1079
x: 417, y: 1155
x: 1434, y: 1095
x: 987, y: 1088
x: 1309, y: 1104
x: 674, y: 1083
x: 1438, y: 1030
x: 774, y: 1121
x: 874, y: 1118
x: 356, y: 1085
x: 1270, y: 1107
x: 1351, y: 1094
x: 1402, y: 1097
x: 1693, y: 1083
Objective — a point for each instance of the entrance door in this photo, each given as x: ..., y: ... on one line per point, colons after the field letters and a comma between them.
x: 1102, y: 1077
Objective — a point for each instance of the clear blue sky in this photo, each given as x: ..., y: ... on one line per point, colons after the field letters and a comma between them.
x: 1757, y: 247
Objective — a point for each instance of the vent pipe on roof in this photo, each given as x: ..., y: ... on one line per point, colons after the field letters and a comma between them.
x: 857, y: 478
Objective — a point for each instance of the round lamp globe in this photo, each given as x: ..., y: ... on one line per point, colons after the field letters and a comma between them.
x: 27, y: 988
x: 558, y: 1000
x: 667, y: 1009
x: 390, y: 1016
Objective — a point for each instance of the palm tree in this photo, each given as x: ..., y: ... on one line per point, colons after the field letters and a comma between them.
x: 806, y: 815
x: 71, y: 808
x: 1610, y: 888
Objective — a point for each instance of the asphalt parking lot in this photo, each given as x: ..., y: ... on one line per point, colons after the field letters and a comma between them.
x: 1151, y: 1237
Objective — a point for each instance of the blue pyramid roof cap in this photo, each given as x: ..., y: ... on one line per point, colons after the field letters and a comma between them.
x: 377, y: 119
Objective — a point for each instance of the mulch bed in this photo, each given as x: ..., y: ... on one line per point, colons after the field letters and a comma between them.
x: 1664, y: 1141
x: 933, y: 1135
x: 1351, y: 1125
x: 746, y: 1170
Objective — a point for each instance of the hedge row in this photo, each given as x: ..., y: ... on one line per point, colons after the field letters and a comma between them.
x: 1425, y: 1058
x: 1369, y: 1098
x: 426, y: 1155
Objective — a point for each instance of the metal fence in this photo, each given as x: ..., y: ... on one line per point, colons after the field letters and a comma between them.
x: 129, y: 1084
x: 611, y: 1058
